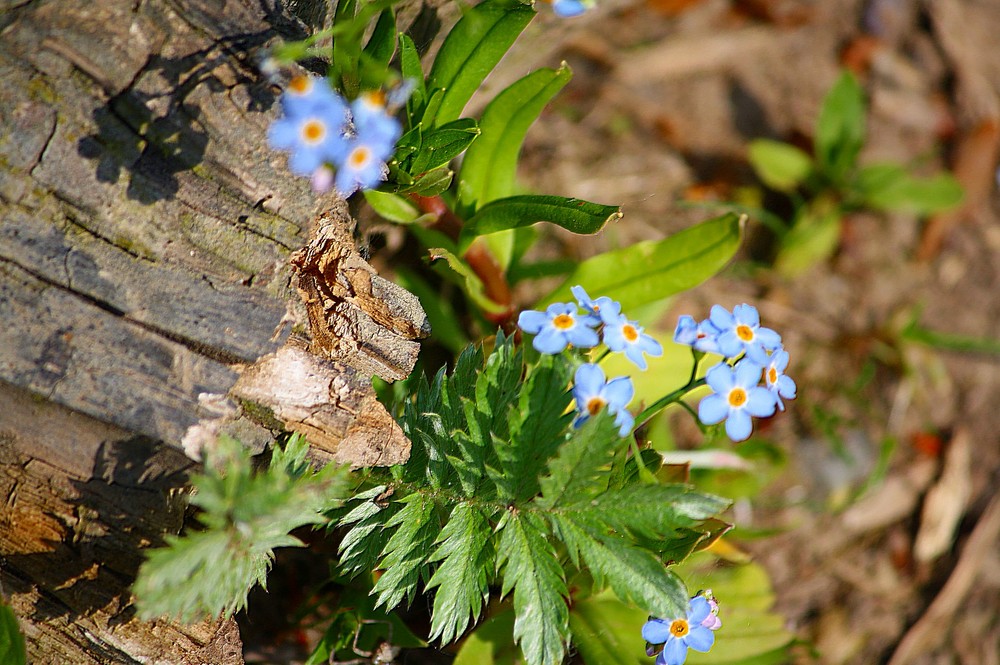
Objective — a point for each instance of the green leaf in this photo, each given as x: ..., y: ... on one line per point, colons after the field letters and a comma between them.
x: 604, y: 632
x: 655, y: 511
x: 443, y: 144
x: 578, y: 472
x: 12, y: 650
x: 459, y: 272
x: 516, y: 212
x: 840, y: 129
x: 890, y: 187
x: 382, y: 44
x: 780, y: 166
x: 652, y: 270
x: 471, y: 50
x: 532, y: 570
x: 414, y: 529
x: 409, y: 63
x: 466, y: 555
x: 392, y: 207
x: 812, y: 240
x: 537, y: 427
x: 360, y: 549
x: 491, y: 643
x: 635, y: 574
x: 490, y: 165
x: 432, y: 183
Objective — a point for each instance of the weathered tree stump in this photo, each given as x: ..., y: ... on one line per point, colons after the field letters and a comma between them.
x: 145, y: 237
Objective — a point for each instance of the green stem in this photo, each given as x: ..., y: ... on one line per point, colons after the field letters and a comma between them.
x: 668, y: 399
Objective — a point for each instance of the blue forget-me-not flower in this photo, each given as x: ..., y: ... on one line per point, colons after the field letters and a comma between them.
x: 694, y: 631
x: 775, y: 378
x: 741, y: 331
x: 559, y: 326
x: 737, y: 396
x: 593, y: 393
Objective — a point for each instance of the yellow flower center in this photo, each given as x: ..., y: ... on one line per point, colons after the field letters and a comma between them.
x: 737, y: 397
x: 359, y: 157
x: 679, y: 628
x: 563, y: 322
x: 744, y: 332
x: 772, y: 375
x: 300, y: 85
x: 630, y: 333
x: 374, y: 97
x: 594, y: 405
x: 313, y: 131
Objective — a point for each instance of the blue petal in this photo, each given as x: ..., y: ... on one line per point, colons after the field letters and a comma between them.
x: 650, y: 346
x: 675, y: 652
x: 568, y: 8
x: 656, y: 631
x: 713, y: 409
x: 786, y: 387
x: 557, y: 308
x: 283, y: 134
x: 634, y: 353
x: 589, y: 378
x: 721, y: 318
x: 720, y: 378
x: 618, y: 392
x: 698, y: 610
x: 609, y: 310
x: 614, y: 338
x: 549, y: 341
x: 729, y: 343
x: 625, y: 422
x: 581, y: 296
x: 582, y: 337
x: 768, y: 338
x: 747, y: 373
x: 739, y: 425
x: 304, y: 161
x: 760, y: 402
x: 779, y: 360
x: 686, y: 331
x: 531, y: 321
x: 700, y: 638
x: 747, y: 314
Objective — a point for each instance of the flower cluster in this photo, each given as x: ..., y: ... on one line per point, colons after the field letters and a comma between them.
x: 753, y: 354
x: 564, y: 324
x: 672, y: 639
x: 335, y: 143
x: 571, y: 8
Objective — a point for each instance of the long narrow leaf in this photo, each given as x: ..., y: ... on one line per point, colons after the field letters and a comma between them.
x: 655, y: 269
x: 516, y: 212
x: 471, y: 51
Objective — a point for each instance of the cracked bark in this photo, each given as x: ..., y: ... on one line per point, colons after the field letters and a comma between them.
x: 145, y: 237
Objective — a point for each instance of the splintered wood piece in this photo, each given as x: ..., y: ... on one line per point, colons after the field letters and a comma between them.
x: 331, y: 403
x: 355, y: 316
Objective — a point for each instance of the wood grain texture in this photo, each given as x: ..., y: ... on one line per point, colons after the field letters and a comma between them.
x: 145, y: 236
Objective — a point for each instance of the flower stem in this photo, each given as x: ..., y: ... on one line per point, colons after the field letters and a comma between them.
x: 668, y: 399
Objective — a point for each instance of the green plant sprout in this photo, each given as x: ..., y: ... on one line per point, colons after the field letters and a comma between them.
x: 830, y: 183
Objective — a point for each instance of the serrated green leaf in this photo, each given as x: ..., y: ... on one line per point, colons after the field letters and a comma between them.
x: 579, y: 470
x: 461, y: 580
x: 840, y: 129
x: 12, y: 650
x: 443, y: 144
x: 780, y: 166
x: 471, y: 50
x: 533, y: 572
x: 392, y: 207
x: 490, y: 165
x: 414, y: 529
x: 891, y: 187
x: 363, y: 543
x: 459, y: 272
x: 649, y: 271
x: 634, y: 574
x: 516, y: 212
x: 536, y: 428
x: 655, y: 511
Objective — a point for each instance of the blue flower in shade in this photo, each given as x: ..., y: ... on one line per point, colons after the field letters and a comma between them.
x: 361, y: 165
x: 679, y: 635
x: 621, y: 334
x: 558, y: 326
x: 570, y: 8
x: 737, y: 397
x: 592, y: 394
x: 306, y: 93
x: 312, y: 127
x: 740, y: 331
x: 775, y: 379
x: 373, y: 121
x: 702, y: 336
x: 594, y: 305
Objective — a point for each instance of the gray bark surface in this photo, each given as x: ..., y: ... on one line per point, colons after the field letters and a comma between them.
x: 145, y: 236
